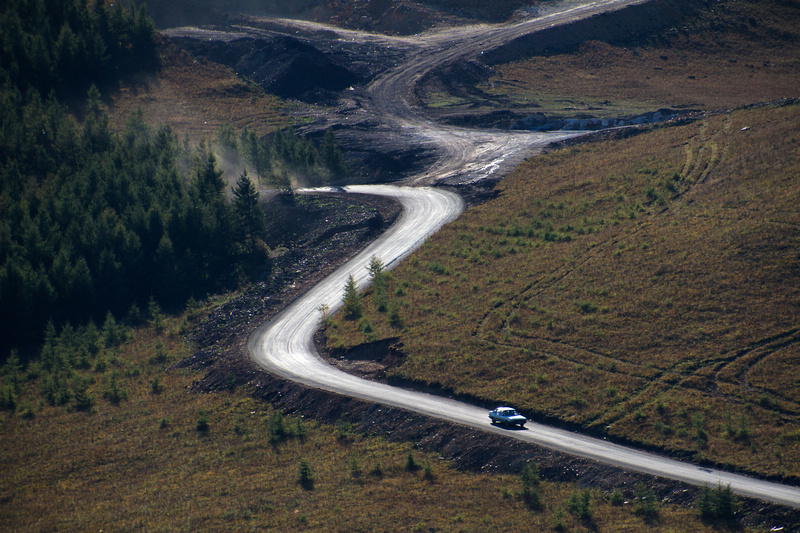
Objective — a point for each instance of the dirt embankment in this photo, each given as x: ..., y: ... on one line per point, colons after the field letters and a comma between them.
x: 282, y: 65
x: 407, y: 17
x: 616, y: 27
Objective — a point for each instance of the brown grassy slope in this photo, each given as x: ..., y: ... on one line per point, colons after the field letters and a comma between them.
x: 636, y: 322
x: 737, y: 53
x: 647, y: 286
x: 196, y: 97
x: 144, y: 465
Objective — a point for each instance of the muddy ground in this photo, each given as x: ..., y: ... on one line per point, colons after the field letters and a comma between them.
x: 333, y: 230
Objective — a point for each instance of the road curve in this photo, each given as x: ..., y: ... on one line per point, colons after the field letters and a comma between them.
x: 468, y: 154
x: 284, y: 345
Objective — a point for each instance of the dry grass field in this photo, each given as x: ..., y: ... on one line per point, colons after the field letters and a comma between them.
x: 646, y: 287
x: 737, y: 53
x: 195, y: 97
x: 163, y: 458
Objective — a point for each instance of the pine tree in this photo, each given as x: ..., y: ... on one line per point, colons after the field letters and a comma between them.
x: 530, y: 485
x: 331, y: 154
x: 96, y: 134
x: 717, y: 505
x: 705, y: 504
x: 378, y: 275
x: 305, y: 476
x: 226, y: 137
x: 284, y: 183
x: 351, y: 299
x: 12, y: 371
x: 249, y: 216
x: 209, y: 184
x: 725, y: 503
x: 377, y: 271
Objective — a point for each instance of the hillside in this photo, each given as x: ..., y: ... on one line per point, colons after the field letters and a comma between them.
x: 107, y: 430
x: 149, y: 453
x: 195, y: 98
x: 643, y: 288
x: 732, y: 54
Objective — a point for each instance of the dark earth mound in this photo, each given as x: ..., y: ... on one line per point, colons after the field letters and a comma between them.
x: 627, y: 25
x: 172, y: 13
x: 281, y: 65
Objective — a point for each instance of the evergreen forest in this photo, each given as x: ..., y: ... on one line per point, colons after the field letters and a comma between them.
x: 94, y: 220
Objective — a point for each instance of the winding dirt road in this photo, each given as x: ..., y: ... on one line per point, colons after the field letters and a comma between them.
x: 467, y: 155
x: 284, y: 345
